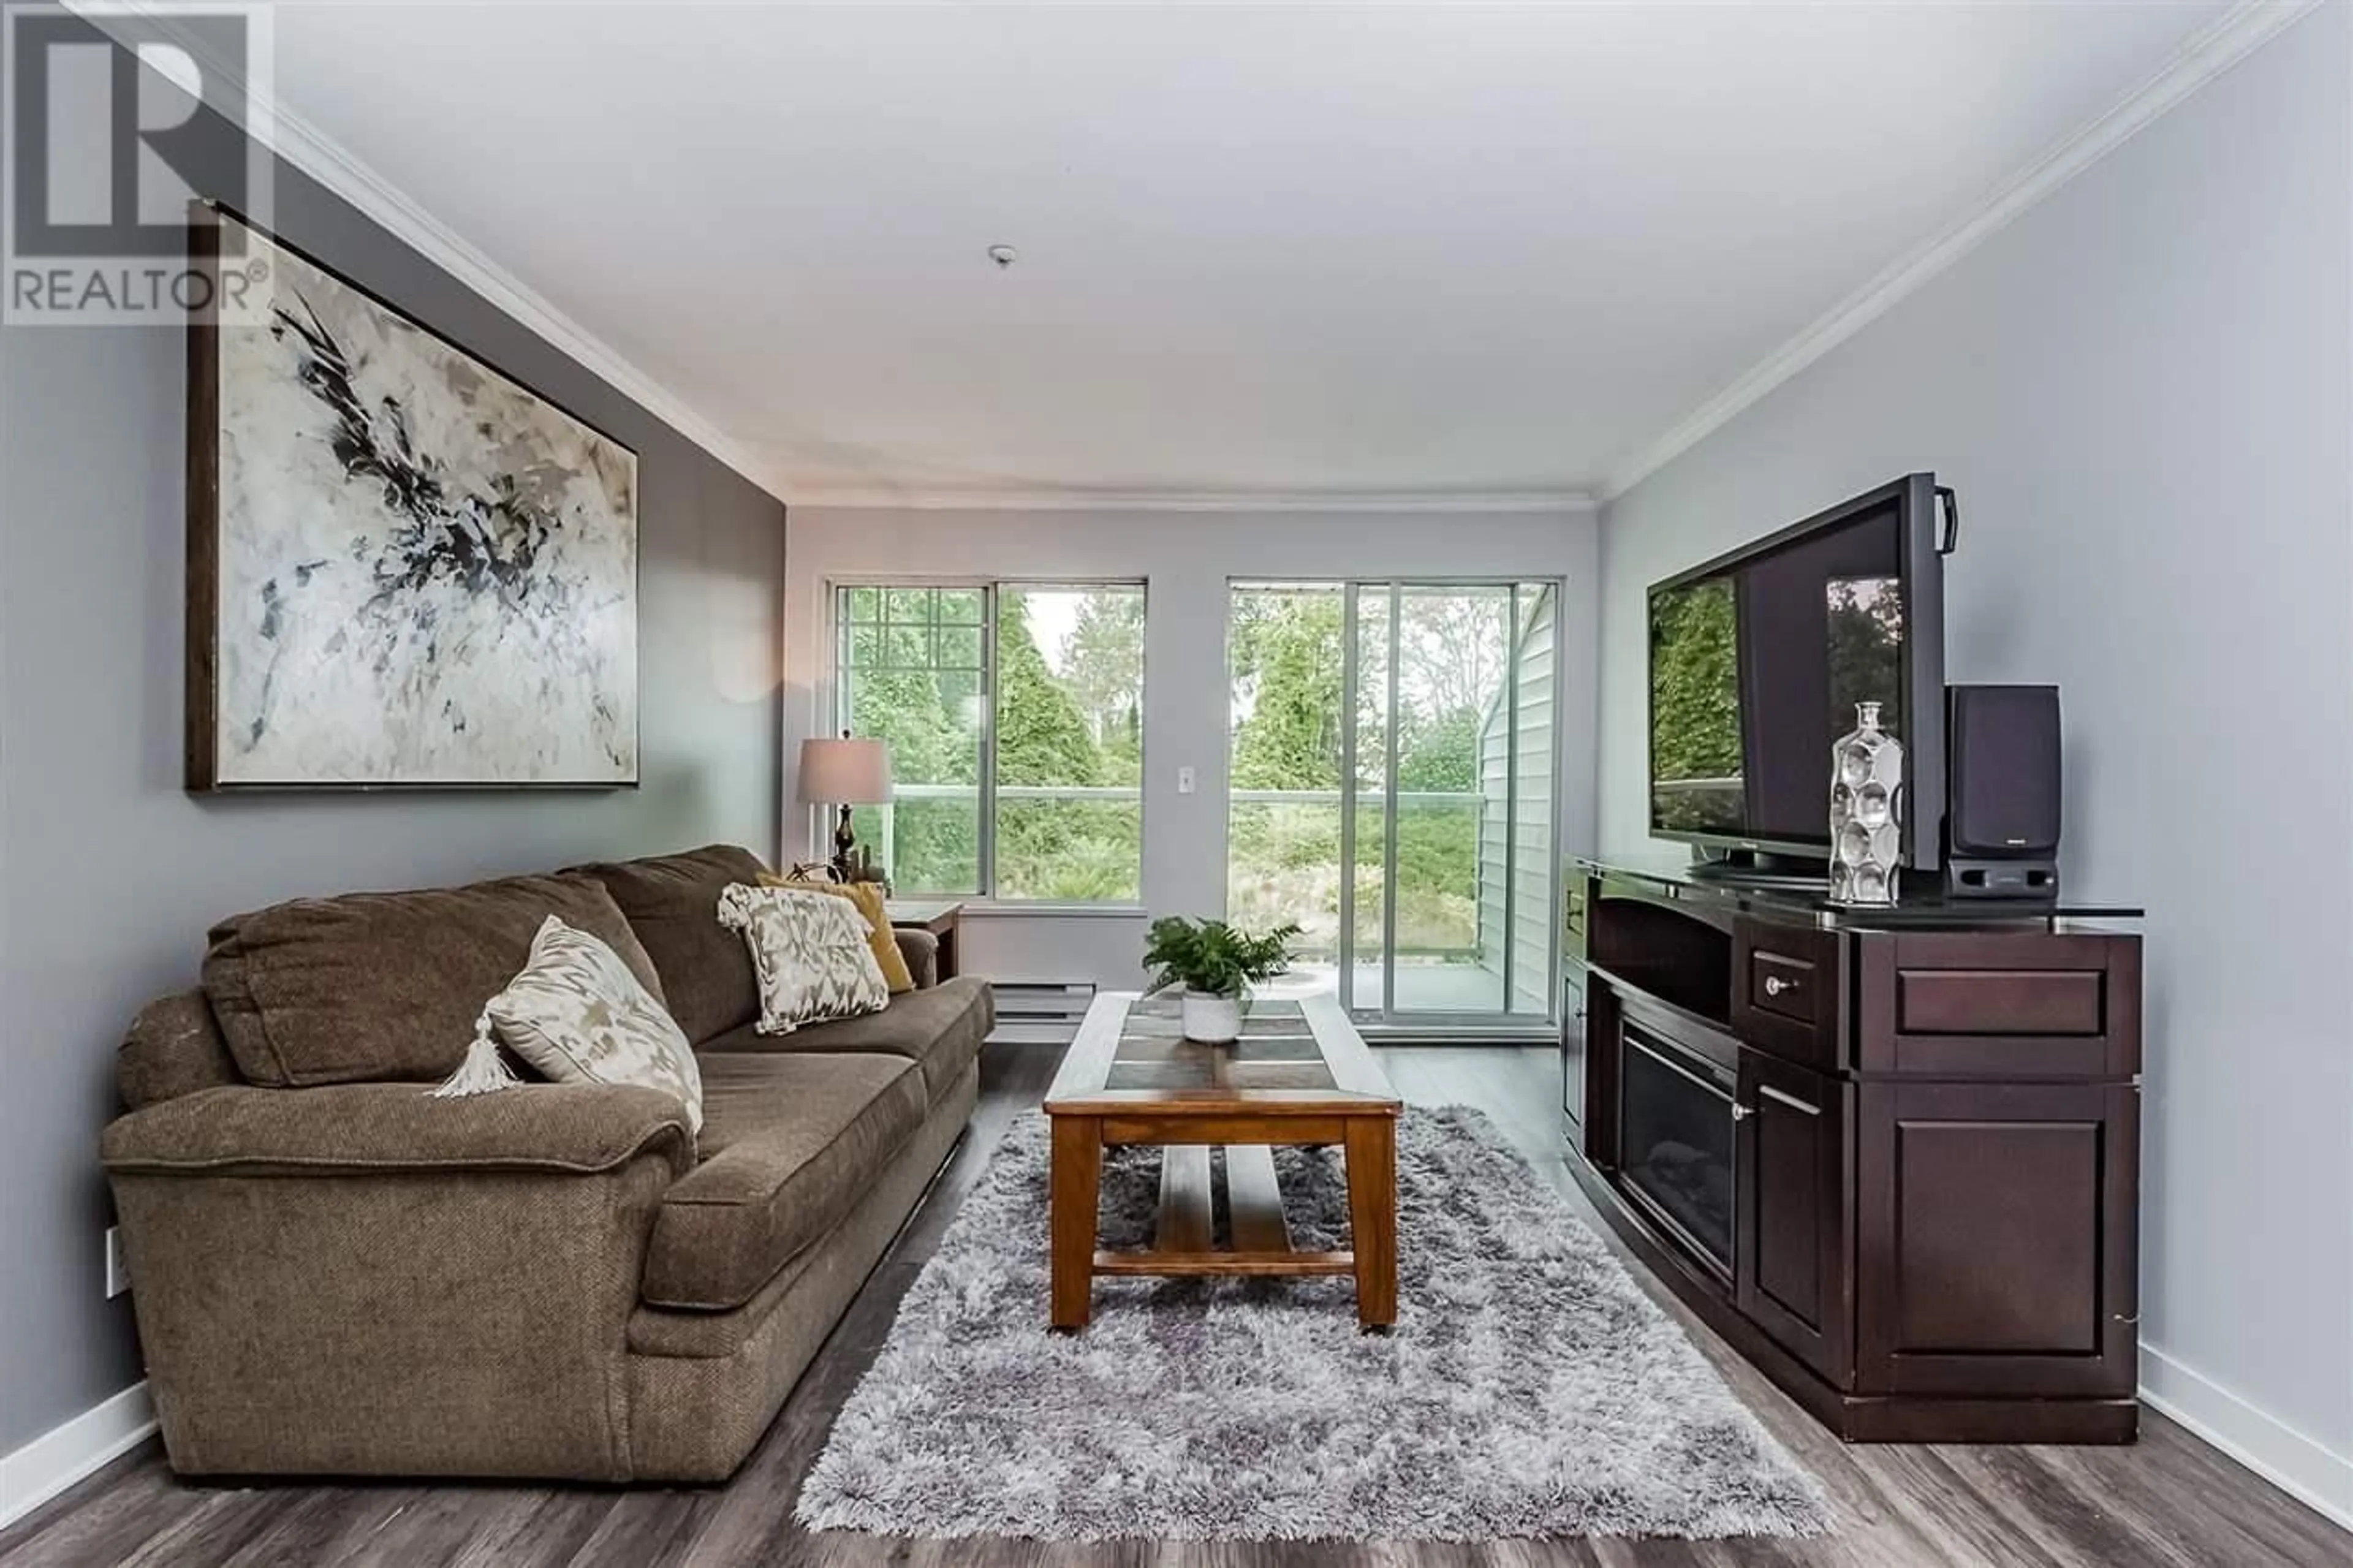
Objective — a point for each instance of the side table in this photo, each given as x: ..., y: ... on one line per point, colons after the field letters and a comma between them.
x: 937, y: 916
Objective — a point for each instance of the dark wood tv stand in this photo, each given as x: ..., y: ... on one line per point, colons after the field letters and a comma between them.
x: 1922, y: 1219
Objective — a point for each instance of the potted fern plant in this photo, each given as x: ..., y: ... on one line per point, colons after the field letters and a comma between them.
x: 1211, y: 964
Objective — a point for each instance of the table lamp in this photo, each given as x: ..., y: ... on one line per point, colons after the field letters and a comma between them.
x: 845, y: 772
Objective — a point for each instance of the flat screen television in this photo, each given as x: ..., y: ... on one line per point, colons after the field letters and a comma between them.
x: 1758, y: 658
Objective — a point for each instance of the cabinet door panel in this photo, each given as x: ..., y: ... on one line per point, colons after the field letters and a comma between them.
x: 1603, y: 1046
x: 1572, y: 1100
x: 1996, y: 1240
x: 1791, y: 1272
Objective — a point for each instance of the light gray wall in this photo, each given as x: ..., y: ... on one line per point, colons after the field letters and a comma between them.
x: 1187, y: 559
x: 109, y: 874
x: 2141, y: 390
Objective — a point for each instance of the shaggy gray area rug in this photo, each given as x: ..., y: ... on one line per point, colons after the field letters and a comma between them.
x: 1529, y: 1389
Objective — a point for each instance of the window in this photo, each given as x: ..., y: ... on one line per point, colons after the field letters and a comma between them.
x: 1015, y: 718
x: 914, y: 673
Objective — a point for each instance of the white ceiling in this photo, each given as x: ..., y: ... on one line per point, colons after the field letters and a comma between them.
x: 1263, y: 251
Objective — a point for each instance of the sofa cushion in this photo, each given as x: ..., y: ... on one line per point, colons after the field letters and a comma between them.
x: 789, y: 1144
x: 940, y: 1029
x: 372, y: 986
x: 672, y: 904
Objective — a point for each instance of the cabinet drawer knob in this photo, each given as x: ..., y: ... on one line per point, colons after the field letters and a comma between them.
x: 1775, y: 985
x: 1742, y: 1112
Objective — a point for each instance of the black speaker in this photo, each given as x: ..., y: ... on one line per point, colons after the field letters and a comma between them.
x: 2002, y: 792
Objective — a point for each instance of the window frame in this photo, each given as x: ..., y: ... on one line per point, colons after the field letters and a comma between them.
x: 838, y: 645
x: 1353, y: 587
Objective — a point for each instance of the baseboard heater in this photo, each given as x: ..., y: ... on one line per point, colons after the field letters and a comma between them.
x: 1039, y: 1012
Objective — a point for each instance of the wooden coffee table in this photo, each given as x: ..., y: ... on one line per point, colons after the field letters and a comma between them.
x: 1299, y: 1074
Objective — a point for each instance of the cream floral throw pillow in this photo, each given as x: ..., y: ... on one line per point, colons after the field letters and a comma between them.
x: 577, y: 1015
x: 810, y: 952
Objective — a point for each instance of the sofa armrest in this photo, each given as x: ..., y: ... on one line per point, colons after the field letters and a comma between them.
x: 921, y: 949
x: 361, y: 1279
x: 360, y: 1127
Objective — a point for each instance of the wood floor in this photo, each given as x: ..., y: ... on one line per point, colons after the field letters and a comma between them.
x: 2170, y: 1500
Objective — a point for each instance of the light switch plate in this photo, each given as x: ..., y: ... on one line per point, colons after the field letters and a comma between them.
x: 118, y: 1270
x: 1183, y: 781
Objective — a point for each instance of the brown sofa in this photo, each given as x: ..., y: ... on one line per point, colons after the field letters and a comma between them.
x: 335, y: 1273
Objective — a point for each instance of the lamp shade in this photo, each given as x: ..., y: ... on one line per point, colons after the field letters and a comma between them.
x: 845, y: 772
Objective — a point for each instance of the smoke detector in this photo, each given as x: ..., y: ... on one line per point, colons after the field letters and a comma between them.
x: 1003, y: 254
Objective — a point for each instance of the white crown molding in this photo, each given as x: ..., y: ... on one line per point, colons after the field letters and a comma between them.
x: 302, y: 144
x: 66, y: 1453
x: 1551, y: 503
x: 2202, y: 57
x: 296, y: 142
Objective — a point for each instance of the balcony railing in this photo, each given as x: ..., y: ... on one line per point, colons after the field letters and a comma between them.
x: 1406, y: 798
x: 1020, y: 791
x: 1286, y: 864
x: 1291, y: 869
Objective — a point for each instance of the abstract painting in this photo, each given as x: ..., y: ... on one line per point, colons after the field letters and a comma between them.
x: 406, y: 569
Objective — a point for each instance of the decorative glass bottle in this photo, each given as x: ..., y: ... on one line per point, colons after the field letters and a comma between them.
x: 1867, y: 812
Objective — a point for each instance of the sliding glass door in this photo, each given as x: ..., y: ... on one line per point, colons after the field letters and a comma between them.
x: 1391, y: 783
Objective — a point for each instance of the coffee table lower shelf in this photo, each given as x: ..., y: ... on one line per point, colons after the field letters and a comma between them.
x: 1261, y: 1240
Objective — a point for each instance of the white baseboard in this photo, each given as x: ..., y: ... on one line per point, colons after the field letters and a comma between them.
x: 2301, y: 1466
x: 58, y: 1459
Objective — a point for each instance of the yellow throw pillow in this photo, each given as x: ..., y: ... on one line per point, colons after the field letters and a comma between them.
x: 868, y: 896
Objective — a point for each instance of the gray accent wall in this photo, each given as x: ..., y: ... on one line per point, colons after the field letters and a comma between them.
x: 109, y: 874
x: 2143, y: 389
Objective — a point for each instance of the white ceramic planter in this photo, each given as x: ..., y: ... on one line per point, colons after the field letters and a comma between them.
x: 1212, y: 1019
